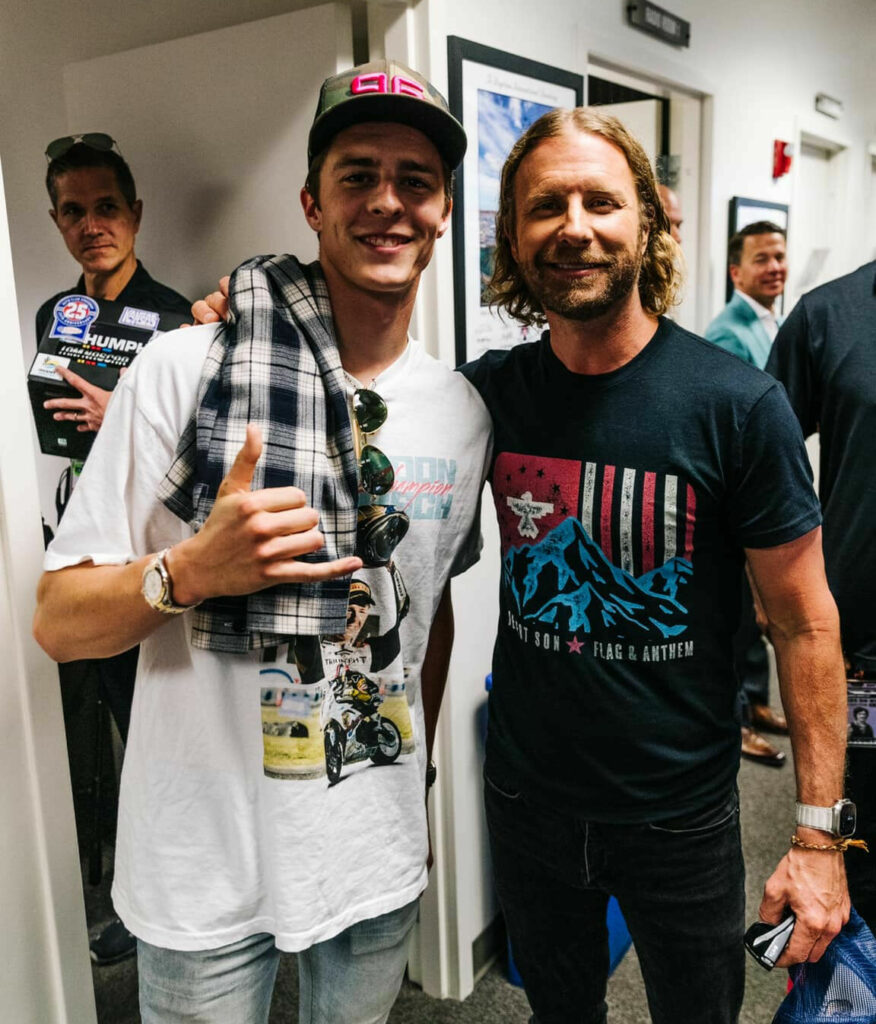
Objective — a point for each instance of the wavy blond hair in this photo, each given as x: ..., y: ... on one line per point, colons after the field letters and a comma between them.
x: 660, y: 278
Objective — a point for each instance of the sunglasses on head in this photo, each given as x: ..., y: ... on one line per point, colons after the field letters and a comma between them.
x: 100, y: 141
x: 379, y: 528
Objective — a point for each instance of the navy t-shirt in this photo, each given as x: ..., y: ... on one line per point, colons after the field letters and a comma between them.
x: 624, y: 502
x: 825, y: 355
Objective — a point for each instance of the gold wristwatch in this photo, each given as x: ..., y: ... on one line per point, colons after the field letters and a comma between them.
x: 157, y: 588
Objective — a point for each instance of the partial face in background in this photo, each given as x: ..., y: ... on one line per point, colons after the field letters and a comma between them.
x: 95, y: 220
x: 579, y: 236
x: 673, y: 210
x: 381, y: 207
x: 762, y: 268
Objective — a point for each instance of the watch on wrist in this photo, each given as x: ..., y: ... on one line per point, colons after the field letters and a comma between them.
x: 839, y: 820
x: 157, y: 588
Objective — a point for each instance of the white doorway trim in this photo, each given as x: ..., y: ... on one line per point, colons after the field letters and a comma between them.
x: 45, y: 970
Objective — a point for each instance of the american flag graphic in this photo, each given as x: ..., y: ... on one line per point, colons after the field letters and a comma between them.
x: 639, y: 518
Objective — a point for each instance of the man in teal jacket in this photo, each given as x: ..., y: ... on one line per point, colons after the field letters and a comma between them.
x: 747, y: 327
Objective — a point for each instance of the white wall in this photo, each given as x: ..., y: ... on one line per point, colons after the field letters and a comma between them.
x: 215, y: 128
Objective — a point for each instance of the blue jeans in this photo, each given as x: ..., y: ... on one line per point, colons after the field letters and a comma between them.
x: 353, y: 977
x: 680, y: 885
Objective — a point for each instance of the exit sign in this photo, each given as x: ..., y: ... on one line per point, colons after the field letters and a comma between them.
x: 659, y: 22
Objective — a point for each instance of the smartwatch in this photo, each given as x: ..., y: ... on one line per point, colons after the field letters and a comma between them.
x: 157, y: 588
x: 840, y: 819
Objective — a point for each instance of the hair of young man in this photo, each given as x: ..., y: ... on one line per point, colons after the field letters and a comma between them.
x: 79, y: 157
x: 661, y: 274
x: 737, y: 241
x: 311, y: 182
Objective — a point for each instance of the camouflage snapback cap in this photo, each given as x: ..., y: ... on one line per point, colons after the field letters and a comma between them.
x: 385, y: 90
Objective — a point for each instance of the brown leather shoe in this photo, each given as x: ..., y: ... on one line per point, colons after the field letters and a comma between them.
x: 758, y: 749
x: 763, y: 718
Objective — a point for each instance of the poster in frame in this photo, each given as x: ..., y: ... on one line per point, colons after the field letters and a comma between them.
x: 496, y: 96
x: 861, y: 717
x: 746, y: 211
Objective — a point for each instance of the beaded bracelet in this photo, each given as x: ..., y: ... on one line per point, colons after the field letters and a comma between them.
x: 839, y: 847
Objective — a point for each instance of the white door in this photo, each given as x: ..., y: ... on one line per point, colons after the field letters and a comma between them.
x: 812, y: 258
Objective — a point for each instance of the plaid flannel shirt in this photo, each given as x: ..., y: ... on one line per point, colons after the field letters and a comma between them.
x: 275, y: 364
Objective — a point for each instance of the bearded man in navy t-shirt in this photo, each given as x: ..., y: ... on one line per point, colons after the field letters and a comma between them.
x: 635, y: 469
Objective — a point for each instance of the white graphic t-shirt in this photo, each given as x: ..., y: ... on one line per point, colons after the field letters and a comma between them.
x: 280, y: 791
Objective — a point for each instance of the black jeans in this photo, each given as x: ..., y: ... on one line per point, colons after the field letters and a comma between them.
x: 680, y: 885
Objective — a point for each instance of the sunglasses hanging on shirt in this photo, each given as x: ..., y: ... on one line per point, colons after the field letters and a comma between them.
x: 379, y: 528
x: 376, y: 475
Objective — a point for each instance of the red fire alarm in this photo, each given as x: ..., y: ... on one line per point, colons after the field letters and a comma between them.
x: 782, y: 153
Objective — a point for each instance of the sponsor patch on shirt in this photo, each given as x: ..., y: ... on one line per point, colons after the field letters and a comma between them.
x: 144, y: 319
x: 73, y: 315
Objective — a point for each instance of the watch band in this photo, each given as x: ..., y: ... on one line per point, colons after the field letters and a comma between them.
x: 157, y: 588
x: 810, y: 816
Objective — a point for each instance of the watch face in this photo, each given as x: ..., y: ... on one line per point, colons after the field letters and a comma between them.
x: 847, y: 819
x: 153, y: 585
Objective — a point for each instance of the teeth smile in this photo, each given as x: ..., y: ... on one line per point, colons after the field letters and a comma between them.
x: 385, y: 241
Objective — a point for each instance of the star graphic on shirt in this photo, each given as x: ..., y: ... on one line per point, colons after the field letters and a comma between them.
x: 523, y: 469
x: 575, y: 646
x: 529, y: 511
x: 540, y: 473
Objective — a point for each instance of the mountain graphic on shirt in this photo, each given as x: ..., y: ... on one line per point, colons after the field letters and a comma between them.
x: 565, y: 581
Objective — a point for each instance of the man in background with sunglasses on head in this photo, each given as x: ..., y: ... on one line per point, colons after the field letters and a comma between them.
x: 307, y: 440
x: 96, y: 209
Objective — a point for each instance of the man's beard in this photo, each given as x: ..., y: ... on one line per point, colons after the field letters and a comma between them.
x: 591, y: 297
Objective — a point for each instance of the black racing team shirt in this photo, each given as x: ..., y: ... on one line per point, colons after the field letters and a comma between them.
x: 624, y: 502
x: 825, y: 355
x: 141, y: 290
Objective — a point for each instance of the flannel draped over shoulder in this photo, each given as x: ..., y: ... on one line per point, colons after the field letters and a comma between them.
x: 275, y: 364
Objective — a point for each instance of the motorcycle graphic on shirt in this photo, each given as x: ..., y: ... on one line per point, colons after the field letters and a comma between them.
x: 353, y: 727
x: 595, y: 557
x: 341, y: 701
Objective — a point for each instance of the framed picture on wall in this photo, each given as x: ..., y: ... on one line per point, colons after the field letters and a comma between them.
x: 747, y: 211
x: 496, y: 96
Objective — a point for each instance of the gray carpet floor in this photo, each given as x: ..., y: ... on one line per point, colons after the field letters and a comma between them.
x: 767, y: 796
